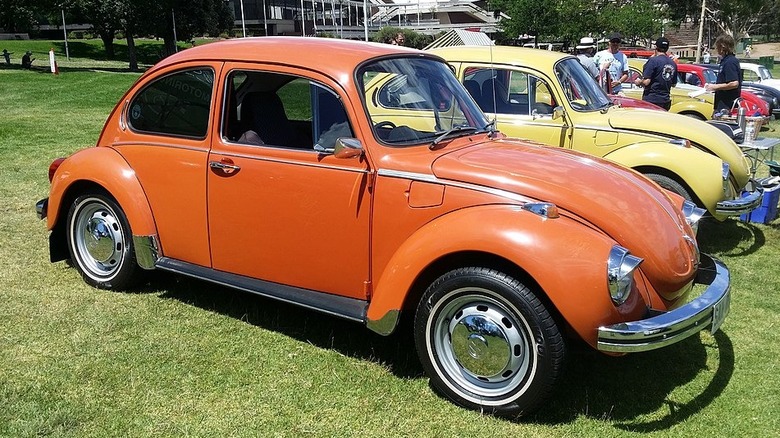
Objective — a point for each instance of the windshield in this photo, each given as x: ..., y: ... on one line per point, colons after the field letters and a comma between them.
x: 710, y: 76
x: 764, y: 73
x: 412, y: 101
x: 579, y: 87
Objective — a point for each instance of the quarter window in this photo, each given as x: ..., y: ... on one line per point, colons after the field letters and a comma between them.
x: 178, y: 104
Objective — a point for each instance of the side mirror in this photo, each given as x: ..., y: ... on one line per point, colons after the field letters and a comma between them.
x: 557, y: 112
x: 347, y: 148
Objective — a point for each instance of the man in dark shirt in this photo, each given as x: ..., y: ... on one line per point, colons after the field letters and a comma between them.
x: 729, y: 83
x: 659, y: 76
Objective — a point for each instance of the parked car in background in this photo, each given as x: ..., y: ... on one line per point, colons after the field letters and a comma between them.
x: 758, y: 73
x: 362, y: 180
x: 549, y: 98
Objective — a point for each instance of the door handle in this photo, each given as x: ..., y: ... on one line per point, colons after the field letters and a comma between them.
x: 224, y: 167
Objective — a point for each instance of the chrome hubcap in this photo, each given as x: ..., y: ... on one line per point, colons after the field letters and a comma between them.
x: 99, y: 240
x: 483, y: 344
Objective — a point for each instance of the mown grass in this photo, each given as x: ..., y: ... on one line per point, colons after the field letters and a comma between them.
x: 185, y: 358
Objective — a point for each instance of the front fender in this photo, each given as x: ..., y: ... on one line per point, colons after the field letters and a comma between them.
x: 567, y: 259
x: 701, y: 172
x: 105, y: 167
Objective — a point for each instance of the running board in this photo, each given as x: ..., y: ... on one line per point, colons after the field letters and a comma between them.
x: 343, y: 307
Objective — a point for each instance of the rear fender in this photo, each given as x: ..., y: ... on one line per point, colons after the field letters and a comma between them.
x: 106, y: 168
x: 566, y: 259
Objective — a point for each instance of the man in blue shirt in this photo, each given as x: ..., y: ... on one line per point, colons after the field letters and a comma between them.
x: 659, y: 76
x: 728, y: 86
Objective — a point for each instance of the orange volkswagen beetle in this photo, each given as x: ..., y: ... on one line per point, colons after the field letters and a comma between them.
x: 259, y: 164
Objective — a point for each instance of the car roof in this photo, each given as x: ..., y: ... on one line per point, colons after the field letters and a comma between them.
x: 498, y: 54
x: 327, y: 55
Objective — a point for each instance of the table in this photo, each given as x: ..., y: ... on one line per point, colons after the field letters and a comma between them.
x: 759, y: 150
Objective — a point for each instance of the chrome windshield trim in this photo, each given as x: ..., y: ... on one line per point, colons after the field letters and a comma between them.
x: 147, y: 251
x: 432, y: 179
x: 673, y: 326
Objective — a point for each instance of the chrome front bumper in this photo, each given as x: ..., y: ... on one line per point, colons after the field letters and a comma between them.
x: 707, y: 311
x: 749, y: 201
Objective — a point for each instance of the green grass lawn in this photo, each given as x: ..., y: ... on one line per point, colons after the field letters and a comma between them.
x: 186, y: 358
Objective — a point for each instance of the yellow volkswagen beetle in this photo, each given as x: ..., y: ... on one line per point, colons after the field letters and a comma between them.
x: 548, y: 97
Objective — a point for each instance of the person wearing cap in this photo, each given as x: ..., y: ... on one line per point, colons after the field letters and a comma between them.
x: 26, y: 60
x: 584, y: 52
x: 614, y: 61
x: 728, y: 86
x: 659, y: 76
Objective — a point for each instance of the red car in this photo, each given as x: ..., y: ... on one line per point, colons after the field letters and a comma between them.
x: 698, y: 75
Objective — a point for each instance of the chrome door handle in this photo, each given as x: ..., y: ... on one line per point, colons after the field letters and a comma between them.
x: 224, y: 167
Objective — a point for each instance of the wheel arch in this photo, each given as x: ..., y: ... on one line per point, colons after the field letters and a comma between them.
x: 97, y: 169
x: 536, y: 250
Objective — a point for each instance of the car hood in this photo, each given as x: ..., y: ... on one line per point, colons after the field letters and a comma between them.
x: 701, y: 134
x: 628, y: 207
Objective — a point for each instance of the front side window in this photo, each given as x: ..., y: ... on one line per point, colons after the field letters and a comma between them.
x: 412, y: 101
x: 582, y: 92
x: 178, y: 104
x: 280, y: 110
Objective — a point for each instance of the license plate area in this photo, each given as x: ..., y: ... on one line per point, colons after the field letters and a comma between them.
x: 719, y: 312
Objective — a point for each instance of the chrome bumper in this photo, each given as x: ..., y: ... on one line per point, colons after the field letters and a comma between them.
x: 41, y: 208
x: 749, y: 201
x: 707, y: 311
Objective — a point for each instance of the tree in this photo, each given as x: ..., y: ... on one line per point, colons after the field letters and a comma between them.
x: 105, y: 16
x: 19, y: 15
x: 736, y: 17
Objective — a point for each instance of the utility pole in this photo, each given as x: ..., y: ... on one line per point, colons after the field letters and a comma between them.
x: 701, y: 30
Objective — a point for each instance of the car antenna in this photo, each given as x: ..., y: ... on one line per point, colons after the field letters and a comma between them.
x: 493, y: 88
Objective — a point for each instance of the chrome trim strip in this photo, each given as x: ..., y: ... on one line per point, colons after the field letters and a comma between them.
x: 673, y: 326
x: 293, y: 162
x: 744, y: 204
x: 385, y: 325
x: 147, y: 251
x: 165, y: 145
x: 432, y: 179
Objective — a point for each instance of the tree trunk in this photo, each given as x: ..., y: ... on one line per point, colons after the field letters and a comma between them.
x: 169, y: 45
x: 131, y: 55
x: 108, y: 42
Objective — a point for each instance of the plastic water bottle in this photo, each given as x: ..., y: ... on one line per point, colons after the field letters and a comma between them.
x: 750, y: 132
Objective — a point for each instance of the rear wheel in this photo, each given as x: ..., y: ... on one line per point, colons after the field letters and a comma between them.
x: 487, y: 342
x: 100, y: 242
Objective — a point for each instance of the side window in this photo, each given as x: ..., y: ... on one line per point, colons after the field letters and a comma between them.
x: 283, y: 111
x: 749, y: 76
x: 178, y: 104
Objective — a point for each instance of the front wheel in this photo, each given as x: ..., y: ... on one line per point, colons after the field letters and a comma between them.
x: 670, y: 184
x: 100, y: 242
x: 487, y: 342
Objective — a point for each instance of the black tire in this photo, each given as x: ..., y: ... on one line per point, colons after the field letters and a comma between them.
x: 671, y: 184
x: 487, y: 342
x: 100, y: 242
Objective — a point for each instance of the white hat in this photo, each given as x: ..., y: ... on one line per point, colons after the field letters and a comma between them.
x: 586, y: 43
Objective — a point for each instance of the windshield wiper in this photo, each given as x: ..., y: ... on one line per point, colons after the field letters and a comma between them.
x: 491, y: 128
x: 459, y: 130
x: 604, y: 108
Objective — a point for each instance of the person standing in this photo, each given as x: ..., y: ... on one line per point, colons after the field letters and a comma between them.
x: 584, y: 51
x: 659, y: 76
x: 613, y: 61
x: 728, y: 86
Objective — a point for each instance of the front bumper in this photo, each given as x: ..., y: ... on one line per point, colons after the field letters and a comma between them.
x: 751, y: 198
x: 707, y: 311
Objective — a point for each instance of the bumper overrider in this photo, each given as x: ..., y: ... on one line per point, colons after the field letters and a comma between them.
x: 708, y: 311
x: 749, y: 201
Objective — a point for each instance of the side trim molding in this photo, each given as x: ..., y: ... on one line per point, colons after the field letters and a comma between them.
x: 343, y: 307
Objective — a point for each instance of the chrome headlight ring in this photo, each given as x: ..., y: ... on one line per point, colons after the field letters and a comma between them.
x: 620, y: 273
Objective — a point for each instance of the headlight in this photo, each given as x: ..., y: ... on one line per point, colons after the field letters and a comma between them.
x: 692, y: 214
x: 620, y: 273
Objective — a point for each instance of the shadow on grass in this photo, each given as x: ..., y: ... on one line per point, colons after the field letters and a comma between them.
x: 618, y: 389
x: 731, y: 237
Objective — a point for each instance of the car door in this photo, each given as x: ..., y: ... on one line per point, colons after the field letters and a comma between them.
x: 521, y: 101
x: 278, y: 209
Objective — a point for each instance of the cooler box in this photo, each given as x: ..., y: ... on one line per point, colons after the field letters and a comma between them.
x: 768, y: 209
